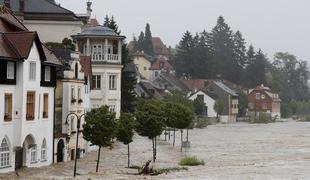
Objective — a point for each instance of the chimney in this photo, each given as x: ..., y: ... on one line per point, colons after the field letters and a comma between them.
x: 89, y: 10
x: 7, y: 3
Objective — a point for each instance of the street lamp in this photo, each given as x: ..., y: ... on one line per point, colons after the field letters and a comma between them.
x: 77, y: 137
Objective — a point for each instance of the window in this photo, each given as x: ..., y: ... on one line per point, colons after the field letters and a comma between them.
x: 156, y: 73
x: 32, y: 71
x: 97, y: 52
x: 161, y: 65
x: 10, y: 70
x: 73, y: 100
x: 97, y: 82
x: 145, y: 68
x: 76, y: 70
x: 264, y: 106
x: 30, y: 105
x: 47, y: 74
x: 33, y: 154
x: 112, y: 108
x: 251, y: 105
x: 43, y: 151
x: 257, y: 95
x: 200, y: 97
x: 4, y: 154
x: 8, y: 104
x: 112, y: 82
x: 72, y: 124
x: 45, y: 106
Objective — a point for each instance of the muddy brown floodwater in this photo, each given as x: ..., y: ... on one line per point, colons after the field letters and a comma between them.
x: 231, y: 151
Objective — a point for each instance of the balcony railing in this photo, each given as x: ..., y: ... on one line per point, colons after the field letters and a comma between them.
x: 113, y: 58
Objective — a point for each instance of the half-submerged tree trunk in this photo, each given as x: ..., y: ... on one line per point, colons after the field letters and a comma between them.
x: 173, y: 137
x: 128, y: 156
x: 169, y: 134
x: 181, y: 140
x: 97, y: 167
x: 153, y: 143
x: 165, y: 135
x: 187, y: 134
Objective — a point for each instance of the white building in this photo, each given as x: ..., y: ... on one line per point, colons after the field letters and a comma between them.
x: 27, y: 84
x: 72, y: 96
x: 208, y: 101
x: 104, y: 47
x: 52, y: 22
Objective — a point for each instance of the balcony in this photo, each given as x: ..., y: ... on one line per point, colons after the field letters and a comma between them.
x: 107, y: 58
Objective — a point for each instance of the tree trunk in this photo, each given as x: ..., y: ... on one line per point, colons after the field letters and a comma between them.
x: 165, y: 135
x: 173, y: 137
x: 169, y: 134
x: 153, y: 149
x: 128, y: 156
x: 187, y: 135
x: 181, y: 140
x: 97, y: 167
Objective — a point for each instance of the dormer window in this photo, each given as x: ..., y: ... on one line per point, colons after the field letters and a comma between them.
x: 10, y: 70
x: 47, y: 73
x: 161, y: 65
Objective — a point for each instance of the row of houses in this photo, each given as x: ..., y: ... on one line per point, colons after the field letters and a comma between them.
x: 156, y: 78
x: 40, y: 87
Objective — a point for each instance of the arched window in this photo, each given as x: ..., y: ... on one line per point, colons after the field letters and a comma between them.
x: 43, y: 151
x: 4, y: 154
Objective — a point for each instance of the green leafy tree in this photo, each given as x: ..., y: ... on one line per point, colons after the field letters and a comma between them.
x: 65, y: 44
x: 218, y: 107
x: 99, y: 128
x: 180, y: 97
x: 242, y: 102
x: 150, y: 120
x: 140, y: 42
x: 125, y: 130
x: 199, y: 106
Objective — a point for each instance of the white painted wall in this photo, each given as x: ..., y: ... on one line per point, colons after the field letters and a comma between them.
x: 54, y: 31
x: 209, y: 102
x: 17, y: 130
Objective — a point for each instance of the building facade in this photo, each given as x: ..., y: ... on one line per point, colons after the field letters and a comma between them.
x: 72, y: 96
x: 104, y: 47
x: 143, y: 65
x: 207, y: 100
x: 262, y: 99
x: 47, y: 18
x: 27, y: 85
x: 228, y: 97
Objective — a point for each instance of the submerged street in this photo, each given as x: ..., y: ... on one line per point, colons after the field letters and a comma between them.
x: 231, y: 151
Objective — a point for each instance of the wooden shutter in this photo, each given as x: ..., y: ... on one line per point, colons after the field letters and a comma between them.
x: 8, y: 107
x: 30, y: 106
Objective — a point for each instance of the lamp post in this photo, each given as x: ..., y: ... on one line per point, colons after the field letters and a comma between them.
x: 77, y: 137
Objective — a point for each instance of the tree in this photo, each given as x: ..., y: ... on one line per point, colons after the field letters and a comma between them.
x: 99, y: 128
x: 65, y: 44
x: 125, y: 130
x: 183, y: 116
x: 222, y: 48
x: 140, y: 42
x: 180, y: 97
x: 256, y: 70
x: 239, y: 57
x: 150, y: 120
x: 148, y: 43
x: 218, y: 107
x: 129, y: 80
x: 199, y: 106
x: 242, y: 103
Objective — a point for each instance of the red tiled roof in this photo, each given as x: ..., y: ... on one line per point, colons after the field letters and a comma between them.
x: 195, y: 84
x: 50, y: 56
x: 161, y: 64
x: 22, y: 42
x: 159, y: 47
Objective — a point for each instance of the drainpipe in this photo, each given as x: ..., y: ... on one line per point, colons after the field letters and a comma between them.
x: 54, y: 122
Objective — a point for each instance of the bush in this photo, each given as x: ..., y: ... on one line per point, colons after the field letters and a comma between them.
x: 191, y: 161
x: 201, y: 122
x: 263, y: 118
x: 305, y: 118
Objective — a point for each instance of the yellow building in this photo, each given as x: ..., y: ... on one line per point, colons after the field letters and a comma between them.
x: 143, y: 64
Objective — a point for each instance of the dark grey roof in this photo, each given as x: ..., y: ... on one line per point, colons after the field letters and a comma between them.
x: 38, y: 6
x: 225, y: 88
x: 98, y: 31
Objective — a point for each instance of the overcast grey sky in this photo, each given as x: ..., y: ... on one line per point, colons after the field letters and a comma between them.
x: 272, y: 25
